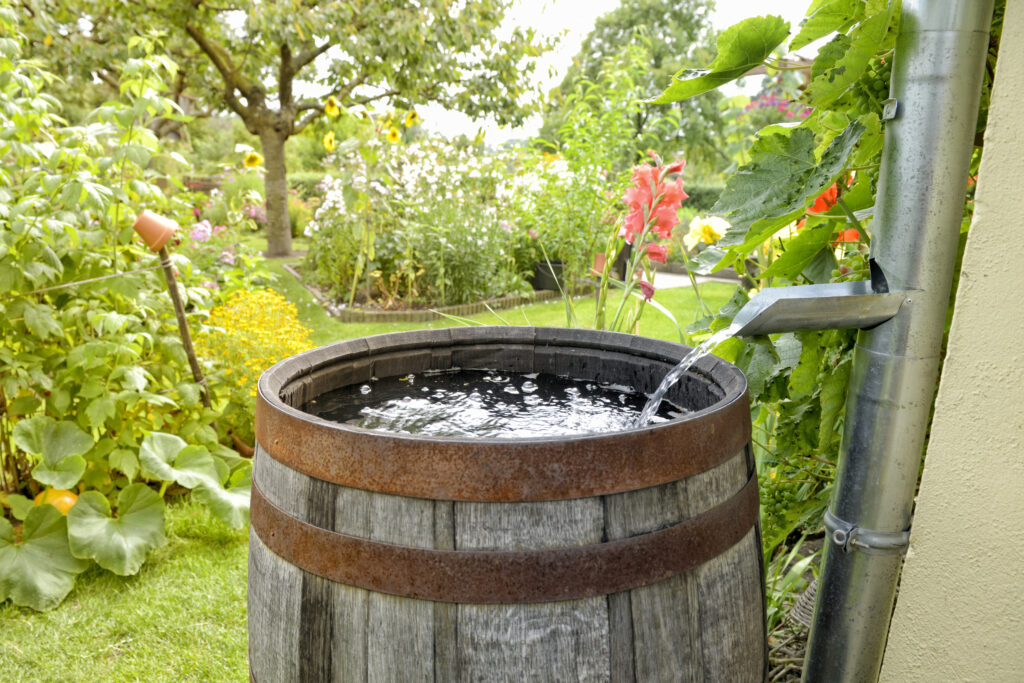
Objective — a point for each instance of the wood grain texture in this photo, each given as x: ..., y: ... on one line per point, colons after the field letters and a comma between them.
x: 563, y: 641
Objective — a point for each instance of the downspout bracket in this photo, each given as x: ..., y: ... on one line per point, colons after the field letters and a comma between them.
x: 850, y: 537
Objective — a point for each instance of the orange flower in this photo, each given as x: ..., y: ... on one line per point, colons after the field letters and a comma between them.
x: 825, y: 201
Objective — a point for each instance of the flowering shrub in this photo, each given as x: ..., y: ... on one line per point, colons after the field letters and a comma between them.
x: 245, y: 336
x: 416, y: 223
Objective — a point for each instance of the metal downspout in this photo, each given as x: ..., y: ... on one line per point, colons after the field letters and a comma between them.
x: 936, y: 82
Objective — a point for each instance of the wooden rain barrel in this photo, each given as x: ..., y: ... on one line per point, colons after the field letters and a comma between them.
x: 627, y: 556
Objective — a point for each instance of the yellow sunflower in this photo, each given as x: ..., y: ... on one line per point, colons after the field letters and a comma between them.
x: 252, y: 160
x: 329, y: 141
x: 411, y: 119
x: 393, y: 135
x: 331, y: 107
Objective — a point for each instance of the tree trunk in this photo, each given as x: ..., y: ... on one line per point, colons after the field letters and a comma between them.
x: 279, y: 231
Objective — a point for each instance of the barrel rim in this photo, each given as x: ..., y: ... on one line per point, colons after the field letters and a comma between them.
x: 501, y: 469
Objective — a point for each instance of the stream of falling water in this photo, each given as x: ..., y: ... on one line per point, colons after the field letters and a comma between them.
x: 703, y: 349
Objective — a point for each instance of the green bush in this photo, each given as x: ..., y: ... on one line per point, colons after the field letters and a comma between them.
x: 702, y: 197
x: 307, y: 183
x: 96, y: 397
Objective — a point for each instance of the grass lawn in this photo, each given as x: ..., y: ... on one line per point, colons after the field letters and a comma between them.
x: 183, y: 617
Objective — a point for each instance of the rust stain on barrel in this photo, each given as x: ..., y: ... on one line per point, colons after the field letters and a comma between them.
x: 506, y: 577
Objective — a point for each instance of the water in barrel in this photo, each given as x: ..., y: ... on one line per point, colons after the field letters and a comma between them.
x: 487, y: 403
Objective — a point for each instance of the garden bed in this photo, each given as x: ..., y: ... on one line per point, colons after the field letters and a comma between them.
x: 372, y: 315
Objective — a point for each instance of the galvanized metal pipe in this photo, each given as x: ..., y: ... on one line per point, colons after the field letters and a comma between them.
x: 936, y: 82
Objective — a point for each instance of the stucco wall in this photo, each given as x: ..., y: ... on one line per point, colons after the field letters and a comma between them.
x: 960, y: 611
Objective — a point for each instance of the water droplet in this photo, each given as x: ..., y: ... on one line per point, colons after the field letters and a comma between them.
x: 365, y: 389
x: 529, y: 387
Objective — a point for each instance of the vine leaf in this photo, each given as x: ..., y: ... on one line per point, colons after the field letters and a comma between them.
x: 40, y: 571
x: 836, y: 74
x: 780, y: 182
x: 118, y: 544
x: 801, y: 250
x: 833, y: 398
x: 741, y: 47
x: 824, y: 17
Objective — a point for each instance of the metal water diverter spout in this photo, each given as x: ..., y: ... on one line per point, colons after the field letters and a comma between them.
x: 930, y: 129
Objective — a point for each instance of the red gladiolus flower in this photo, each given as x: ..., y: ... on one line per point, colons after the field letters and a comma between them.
x: 657, y: 252
x: 647, y: 288
x: 825, y: 201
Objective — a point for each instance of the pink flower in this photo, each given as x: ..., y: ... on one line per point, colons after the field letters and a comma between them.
x: 532, y: 233
x: 647, y: 288
x: 196, y: 211
x: 218, y: 229
x: 210, y: 284
x: 201, y: 231
x: 657, y: 252
x: 227, y: 257
x: 504, y: 225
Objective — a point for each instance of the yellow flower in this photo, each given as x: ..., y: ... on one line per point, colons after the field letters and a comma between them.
x: 411, y: 119
x: 707, y: 230
x: 48, y: 40
x: 393, y: 135
x: 329, y: 142
x: 252, y: 160
x: 331, y: 107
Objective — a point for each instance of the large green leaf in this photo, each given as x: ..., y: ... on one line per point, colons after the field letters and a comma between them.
x: 54, y: 441
x: 118, y: 544
x: 741, y: 47
x: 801, y: 250
x: 40, y: 571
x: 62, y: 475
x: 167, y: 457
x: 838, y: 74
x: 833, y: 398
x: 824, y: 17
x: 230, y: 505
x: 783, y: 178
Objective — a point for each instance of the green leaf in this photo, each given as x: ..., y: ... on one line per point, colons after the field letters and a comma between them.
x: 803, y: 379
x: 118, y: 544
x: 824, y: 17
x: 100, y: 410
x: 740, y: 48
x: 61, y: 475
x: 126, y: 461
x: 229, y: 505
x: 866, y: 39
x: 758, y: 364
x: 833, y: 398
x: 40, y: 571
x: 801, y: 250
x: 783, y: 178
x: 20, y: 506
x: 39, y: 321
x: 168, y: 457
x: 54, y: 441
x: 158, y: 451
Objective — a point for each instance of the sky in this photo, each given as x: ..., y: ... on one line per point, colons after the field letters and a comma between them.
x: 573, y: 20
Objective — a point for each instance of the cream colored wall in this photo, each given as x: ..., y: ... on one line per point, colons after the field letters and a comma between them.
x: 960, y: 611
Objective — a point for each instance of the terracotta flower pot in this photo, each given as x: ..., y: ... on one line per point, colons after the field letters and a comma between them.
x: 154, y: 229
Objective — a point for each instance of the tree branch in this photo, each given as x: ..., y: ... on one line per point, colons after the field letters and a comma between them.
x: 310, y: 118
x: 308, y: 56
x: 233, y: 78
x: 285, y: 74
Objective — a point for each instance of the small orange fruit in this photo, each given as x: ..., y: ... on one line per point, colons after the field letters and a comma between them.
x: 59, y: 498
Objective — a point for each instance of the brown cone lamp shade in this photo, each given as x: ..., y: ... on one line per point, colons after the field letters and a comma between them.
x: 154, y: 229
